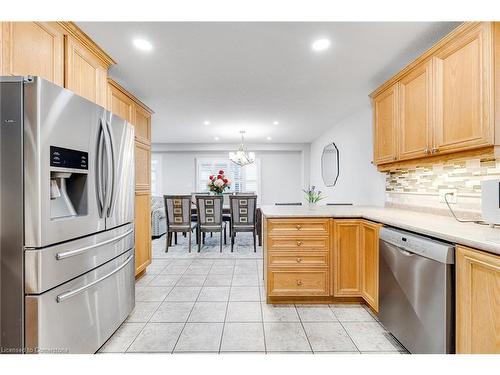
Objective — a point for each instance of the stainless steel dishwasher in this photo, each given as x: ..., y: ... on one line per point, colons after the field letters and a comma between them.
x: 416, y: 296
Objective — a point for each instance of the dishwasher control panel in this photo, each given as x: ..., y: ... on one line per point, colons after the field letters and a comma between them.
x: 418, y: 244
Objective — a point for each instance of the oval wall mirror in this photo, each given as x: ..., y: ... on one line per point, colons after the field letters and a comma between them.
x: 330, y: 164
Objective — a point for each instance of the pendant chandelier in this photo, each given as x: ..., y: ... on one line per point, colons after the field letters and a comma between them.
x: 242, y: 157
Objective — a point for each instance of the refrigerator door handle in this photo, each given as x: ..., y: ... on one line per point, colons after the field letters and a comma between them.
x: 99, y: 170
x: 111, y: 171
x: 64, y: 296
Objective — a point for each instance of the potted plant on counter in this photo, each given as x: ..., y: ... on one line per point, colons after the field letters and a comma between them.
x: 313, y: 196
x: 217, y: 184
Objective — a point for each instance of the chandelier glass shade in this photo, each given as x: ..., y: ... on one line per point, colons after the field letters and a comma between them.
x: 242, y: 157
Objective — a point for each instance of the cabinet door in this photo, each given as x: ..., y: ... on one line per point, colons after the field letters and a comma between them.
x: 142, y: 166
x: 120, y: 104
x: 142, y: 125
x: 346, y: 258
x: 477, y: 302
x: 463, y: 80
x: 415, y: 122
x: 369, y: 264
x: 385, y: 108
x: 142, y: 231
x: 33, y: 48
x: 84, y: 73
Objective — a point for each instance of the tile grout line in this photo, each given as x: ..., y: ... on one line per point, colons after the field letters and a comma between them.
x: 227, y: 308
x: 190, y: 312
x: 346, y: 331
x: 148, y: 321
x: 262, y: 315
x: 304, y: 328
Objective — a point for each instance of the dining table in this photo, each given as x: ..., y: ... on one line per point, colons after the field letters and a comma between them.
x: 226, y: 210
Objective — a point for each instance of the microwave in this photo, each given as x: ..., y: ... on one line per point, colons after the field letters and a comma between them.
x: 490, y: 201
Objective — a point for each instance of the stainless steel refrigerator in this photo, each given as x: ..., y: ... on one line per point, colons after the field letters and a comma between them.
x: 66, y: 219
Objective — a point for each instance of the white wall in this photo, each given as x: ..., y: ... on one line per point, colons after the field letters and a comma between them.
x: 284, y: 171
x: 359, y: 181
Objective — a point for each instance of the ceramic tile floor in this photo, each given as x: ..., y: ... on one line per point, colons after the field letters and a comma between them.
x: 216, y: 304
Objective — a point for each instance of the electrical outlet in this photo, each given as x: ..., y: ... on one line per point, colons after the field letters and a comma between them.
x: 452, y: 195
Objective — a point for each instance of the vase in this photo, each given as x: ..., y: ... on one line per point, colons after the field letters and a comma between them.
x: 312, y: 205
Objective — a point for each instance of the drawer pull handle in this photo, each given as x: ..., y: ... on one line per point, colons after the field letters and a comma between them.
x: 64, y: 296
x: 298, y: 227
x: 72, y: 253
x: 299, y: 260
x: 299, y: 282
x: 299, y: 243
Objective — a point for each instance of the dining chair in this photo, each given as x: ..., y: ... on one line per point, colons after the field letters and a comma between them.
x: 288, y: 204
x: 243, y: 217
x: 178, y: 213
x: 209, y: 209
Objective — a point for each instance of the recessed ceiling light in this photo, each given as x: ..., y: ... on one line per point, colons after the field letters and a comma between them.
x: 216, y: 138
x: 276, y: 122
x: 142, y: 44
x: 268, y: 138
x: 206, y: 122
x: 320, y: 44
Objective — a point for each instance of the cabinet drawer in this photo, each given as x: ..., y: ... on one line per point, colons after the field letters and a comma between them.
x: 292, y: 282
x: 287, y: 227
x: 298, y: 259
x: 298, y: 243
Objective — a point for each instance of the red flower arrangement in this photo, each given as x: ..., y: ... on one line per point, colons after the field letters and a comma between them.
x: 217, y: 184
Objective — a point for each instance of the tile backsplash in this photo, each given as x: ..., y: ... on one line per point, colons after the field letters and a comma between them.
x: 418, y: 188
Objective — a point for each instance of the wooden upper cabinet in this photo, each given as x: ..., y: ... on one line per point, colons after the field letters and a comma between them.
x: 463, y: 76
x: 369, y: 263
x: 416, y: 121
x: 385, y: 106
x: 85, y: 73
x: 477, y: 302
x: 33, y: 48
x: 119, y: 103
x: 142, y: 125
x: 346, y: 258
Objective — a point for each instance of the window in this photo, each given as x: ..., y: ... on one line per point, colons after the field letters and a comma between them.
x: 243, y: 179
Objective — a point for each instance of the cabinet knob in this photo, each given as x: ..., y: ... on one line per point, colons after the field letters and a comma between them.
x: 299, y: 282
x: 434, y: 150
x: 299, y: 243
x: 299, y: 260
x: 427, y: 151
x: 298, y: 226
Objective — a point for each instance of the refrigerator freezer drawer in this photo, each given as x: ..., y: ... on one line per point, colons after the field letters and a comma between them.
x: 79, y: 316
x: 54, y: 265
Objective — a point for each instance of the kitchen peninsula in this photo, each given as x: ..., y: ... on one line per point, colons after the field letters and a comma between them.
x: 331, y: 254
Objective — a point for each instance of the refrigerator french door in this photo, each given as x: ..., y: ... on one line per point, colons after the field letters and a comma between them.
x: 66, y: 219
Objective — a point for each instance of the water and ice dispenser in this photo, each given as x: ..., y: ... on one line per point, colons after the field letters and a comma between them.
x: 68, y: 183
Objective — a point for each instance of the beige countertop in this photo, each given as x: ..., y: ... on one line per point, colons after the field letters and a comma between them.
x: 446, y: 228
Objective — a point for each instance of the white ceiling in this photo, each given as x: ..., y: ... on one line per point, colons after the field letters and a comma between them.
x: 247, y: 75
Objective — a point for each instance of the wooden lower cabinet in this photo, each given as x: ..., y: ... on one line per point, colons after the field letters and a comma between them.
x: 347, y: 258
x: 297, y: 258
x: 321, y: 260
x: 477, y: 302
x: 369, y: 263
x: 355, y: 260
x: 142, y: 231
